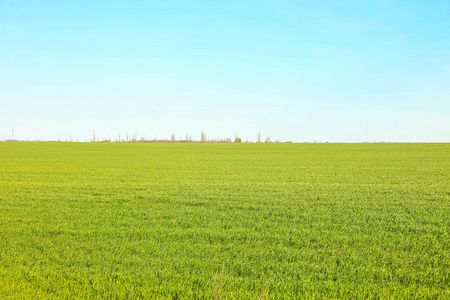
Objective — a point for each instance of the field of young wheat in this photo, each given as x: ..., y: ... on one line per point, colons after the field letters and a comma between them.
x: 131, y: 220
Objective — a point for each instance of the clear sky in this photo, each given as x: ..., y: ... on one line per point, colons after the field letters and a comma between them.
x: 349, y: 71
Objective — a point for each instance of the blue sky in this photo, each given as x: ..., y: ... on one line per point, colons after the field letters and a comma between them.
x: 335, y: 71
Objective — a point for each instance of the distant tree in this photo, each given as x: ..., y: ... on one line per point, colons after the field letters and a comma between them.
x: 173, y: 137
x: 237, y: 139
x: 203, y: 137
x: 267, y: 140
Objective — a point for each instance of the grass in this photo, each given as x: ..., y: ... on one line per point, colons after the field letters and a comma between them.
x: 256, y: 221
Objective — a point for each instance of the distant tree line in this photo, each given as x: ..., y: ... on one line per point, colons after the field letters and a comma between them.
x: 173, y: 139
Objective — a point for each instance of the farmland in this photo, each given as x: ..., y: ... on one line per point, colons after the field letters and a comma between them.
x: 131, y: 220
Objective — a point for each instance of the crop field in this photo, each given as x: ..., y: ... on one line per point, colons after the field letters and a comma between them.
x: 221, y: 221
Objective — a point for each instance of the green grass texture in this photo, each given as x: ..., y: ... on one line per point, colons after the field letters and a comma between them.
x: 224, y: 221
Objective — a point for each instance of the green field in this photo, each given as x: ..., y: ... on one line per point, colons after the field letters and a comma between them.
x: 131, y: 220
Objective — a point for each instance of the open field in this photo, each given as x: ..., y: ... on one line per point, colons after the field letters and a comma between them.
x: 224, y: 220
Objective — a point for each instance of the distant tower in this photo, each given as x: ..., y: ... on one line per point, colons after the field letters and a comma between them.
x: 13, y: 133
